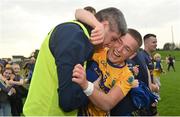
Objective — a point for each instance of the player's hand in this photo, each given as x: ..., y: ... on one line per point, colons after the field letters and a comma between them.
x: 136, y: 70
x: 11, y: 82
x: 79, y: 76
x: 154, y: 87
x: 97, y: 34
x: 13, y: 90
x: 135, y: 83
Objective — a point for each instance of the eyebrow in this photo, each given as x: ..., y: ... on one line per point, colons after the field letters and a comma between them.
x: 126, y: 45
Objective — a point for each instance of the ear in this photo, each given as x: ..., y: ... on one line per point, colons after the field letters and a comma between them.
x: 105, y: 23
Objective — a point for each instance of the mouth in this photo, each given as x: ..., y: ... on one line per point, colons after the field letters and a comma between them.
x: 116, y: 53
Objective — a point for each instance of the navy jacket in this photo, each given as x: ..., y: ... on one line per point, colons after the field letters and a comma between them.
x: 69, y: 46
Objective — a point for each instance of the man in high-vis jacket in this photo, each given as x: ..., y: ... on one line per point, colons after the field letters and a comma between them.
x: 52, y: 91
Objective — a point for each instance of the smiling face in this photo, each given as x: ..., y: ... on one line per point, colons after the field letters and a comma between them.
x: 16, y: 68
x: 7, y: 73
x: 122, y: 49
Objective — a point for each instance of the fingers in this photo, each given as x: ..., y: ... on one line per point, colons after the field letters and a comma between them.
x: 97, y: 36
x: 76, y: 80
x: 78, y: 67
x: 79, y: 76
x: 97, y: 42
x: 96, y: 33
x: 97, y: 39
x: 78, y: 70
x: 135, y: 83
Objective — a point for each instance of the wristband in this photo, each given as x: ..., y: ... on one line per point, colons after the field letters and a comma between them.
x: 89, y: 90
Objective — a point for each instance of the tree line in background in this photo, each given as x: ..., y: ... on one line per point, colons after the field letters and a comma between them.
x: 171, y: 46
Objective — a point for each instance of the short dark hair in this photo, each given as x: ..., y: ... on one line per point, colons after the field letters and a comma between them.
x: 136, y: 35
x: 90, y: 9
x: 149, y: 35
x: 115, y: 18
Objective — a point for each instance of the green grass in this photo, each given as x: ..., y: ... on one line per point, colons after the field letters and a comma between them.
x: 173, y: 53
x: 169, y: 104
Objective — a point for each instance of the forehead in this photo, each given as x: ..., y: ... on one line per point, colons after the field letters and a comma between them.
x: 129, y: 41
x: 115, y: 34
x: 8, y: 70
x: 152, y: 39
x: 112, y: 29
x: 16, y: 66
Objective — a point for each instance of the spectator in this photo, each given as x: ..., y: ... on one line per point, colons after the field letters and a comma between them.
x: 171, y: 63
x: 150, y: 44
x: 158, y: 69
x: 17, y: 82
x: 30, y: 66
x: 5, y: 92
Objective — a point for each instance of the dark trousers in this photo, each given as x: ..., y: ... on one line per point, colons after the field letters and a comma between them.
x: 16, y: 107
x: 171, y: 65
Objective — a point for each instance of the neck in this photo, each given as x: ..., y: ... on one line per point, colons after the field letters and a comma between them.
x: 116, y: 65
x: 16, y: 73
x: 120, y: 64
x: 147, y: 50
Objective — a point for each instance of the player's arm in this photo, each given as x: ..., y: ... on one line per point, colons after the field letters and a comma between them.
x: 69, y: 46
x: 97, y: 34
x: 99, y: 98
x: 153, y: 87
x: 86, y: 17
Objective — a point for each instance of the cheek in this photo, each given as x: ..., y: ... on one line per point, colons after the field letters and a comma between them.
x: 127, y: 55
x: 154, y: 44
x: 108, y: 39
x: 124, y: 52
x: 110, y: 57
x: 6, y: 75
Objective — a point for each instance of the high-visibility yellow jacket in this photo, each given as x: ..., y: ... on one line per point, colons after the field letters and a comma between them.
x: 43, y: 97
